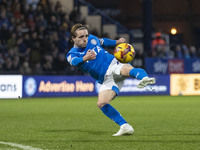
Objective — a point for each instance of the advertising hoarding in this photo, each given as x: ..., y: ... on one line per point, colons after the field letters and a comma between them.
x: 160, y: 88
x: 10, y: 86
x: 185, y: 84
x: 192, y: 65
x: 156, y: 66
x: 58, y: 86
x: 170, y: 66
x: 63, y: 86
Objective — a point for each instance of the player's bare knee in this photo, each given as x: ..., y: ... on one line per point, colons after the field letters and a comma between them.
x: 101, y: 104
x: 125, y: 70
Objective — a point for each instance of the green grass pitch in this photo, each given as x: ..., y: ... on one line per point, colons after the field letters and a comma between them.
x: 160, y: 123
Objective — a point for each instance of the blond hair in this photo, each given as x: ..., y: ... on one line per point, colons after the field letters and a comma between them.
x: 75, y: 28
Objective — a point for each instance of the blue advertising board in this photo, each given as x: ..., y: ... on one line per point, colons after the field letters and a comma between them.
x: 192, y: 65
x: 64, y: 86
x: 162, y: 87
x: 156, y: 66
x: 58, y: 86
x: 170, y: 66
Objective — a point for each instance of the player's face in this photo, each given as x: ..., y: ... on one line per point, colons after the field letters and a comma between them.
x: 81, y: 38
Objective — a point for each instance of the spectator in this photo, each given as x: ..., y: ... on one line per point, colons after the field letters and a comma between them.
x: 178, y: 51
x: 163, y: 52
x: 24, y: 28
x: 37, y: 69
x: 1, y: 60
x: 157, y: 41
x: 2, y: 48
x: 66, y: 21
x: 16, y: 64
x: 186, y: 52
x: 25, y: 69
x: 30, y: 21
x: 4, y: 34
x: 33, y: 3
x: 27, y: 41
x: 59, y: 63
x: 35, y: 54
x: 193, y: 51
x: 38, y: 11
x: 41, y: 22
x: 12, y: 41
x: 63, y: 44
x: 4, y: 21
x: 22, y: 47
x: 16, y: 11
x: 58, y: 6
x: 53, y: 24
x: 41, y: 33
x: 8, y: 64
x: 48, y: 63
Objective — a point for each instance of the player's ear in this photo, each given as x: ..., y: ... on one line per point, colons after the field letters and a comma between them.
x: 72, y: 38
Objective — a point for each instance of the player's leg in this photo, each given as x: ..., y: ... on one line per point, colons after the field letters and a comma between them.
x: 139, y: 73
x: 104, y: 99
x: 108, y: 90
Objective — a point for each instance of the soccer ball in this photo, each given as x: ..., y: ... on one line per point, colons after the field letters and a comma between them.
x: 124, y: 53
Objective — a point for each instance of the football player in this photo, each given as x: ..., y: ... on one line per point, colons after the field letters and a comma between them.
x: 89, y: 55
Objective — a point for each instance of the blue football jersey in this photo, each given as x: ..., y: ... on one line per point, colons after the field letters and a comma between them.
x: 96, y: 68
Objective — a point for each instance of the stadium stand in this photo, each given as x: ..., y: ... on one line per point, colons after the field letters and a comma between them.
x: 34, y: 36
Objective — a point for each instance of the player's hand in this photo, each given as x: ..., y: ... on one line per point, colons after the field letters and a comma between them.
x: 90, y: 55
x: 121, y: 40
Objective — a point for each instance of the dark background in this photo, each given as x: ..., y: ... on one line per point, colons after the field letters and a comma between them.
x: 182, y: 14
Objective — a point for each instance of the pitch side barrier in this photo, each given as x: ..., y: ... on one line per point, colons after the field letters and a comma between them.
x: 170, y: 66
x: 62, y: 86
x: 10, y: 86
x: 15, y: 86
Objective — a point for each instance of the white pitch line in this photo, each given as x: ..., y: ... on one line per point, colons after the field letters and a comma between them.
x: 19, y: 146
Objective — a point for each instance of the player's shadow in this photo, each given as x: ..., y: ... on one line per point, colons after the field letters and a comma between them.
x: 79, y: 130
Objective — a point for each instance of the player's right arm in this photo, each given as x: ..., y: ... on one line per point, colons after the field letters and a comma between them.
x: 75, y: 60
x: 90, y: 55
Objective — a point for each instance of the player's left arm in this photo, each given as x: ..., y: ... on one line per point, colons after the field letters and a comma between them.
x: 109, y: 43
x: 120, y: 40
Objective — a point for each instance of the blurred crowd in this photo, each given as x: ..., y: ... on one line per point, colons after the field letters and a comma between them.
x: 160, y: 49
x: 177, y: 50
x: 35, y: 36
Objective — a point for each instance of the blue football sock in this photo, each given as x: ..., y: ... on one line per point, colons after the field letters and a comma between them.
x: 113, y: 114
x: 138, y: 73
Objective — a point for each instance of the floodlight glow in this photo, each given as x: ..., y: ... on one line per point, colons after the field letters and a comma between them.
x: 173, y: 31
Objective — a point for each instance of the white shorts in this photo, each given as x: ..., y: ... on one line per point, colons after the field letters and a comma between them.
x: 113, y: 80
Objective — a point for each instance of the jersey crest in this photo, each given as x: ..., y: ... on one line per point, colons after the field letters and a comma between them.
x: 93, y: 42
